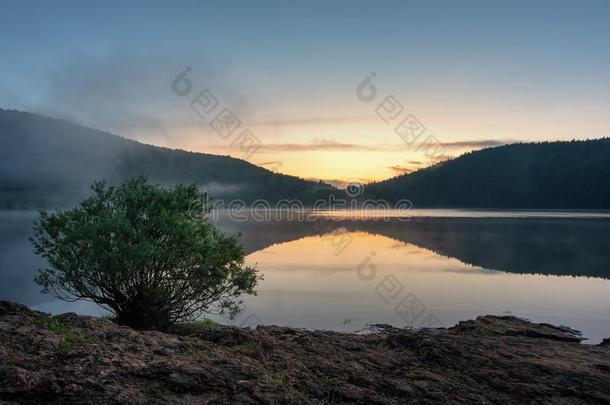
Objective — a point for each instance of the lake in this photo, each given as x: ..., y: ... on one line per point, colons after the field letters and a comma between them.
x: 347, y: 270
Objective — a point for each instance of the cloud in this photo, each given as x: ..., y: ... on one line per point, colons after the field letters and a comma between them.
x: 478, y: 144
x: 129, y: 93
x: 281, y: 122
x: 271, y: 163
x: 470, y: 270
x: 318, y: 145
x: 331, y: 145
x: 441, y: 158
x: 400, y: 169
x: 118, y: 92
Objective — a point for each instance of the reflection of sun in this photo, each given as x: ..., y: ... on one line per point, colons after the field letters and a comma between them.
x: 316, y: 251
x: 304, y: 279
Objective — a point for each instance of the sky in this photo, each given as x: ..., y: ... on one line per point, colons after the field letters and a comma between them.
x: 472, y: 73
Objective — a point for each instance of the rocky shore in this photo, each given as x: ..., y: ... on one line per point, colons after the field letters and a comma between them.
x: 78, y: 359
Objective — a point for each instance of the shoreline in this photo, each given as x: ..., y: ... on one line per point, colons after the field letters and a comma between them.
x: 70, y: 359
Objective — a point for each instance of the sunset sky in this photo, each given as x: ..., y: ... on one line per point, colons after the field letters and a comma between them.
x: 474, y: 73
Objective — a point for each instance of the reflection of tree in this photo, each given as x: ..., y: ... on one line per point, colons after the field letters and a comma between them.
x: 535, y: 245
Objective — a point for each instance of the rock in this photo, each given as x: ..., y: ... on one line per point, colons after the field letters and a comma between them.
x: 228, y: 336
x: 488, y: 360
x: 404, y: 388
x: 183, y: 382
x: 314, y: 389
x: 15, y: 379
x: 11, y: 308
x: 402, y: 339
x: 513, y: 326
x: 164, y: 351
x: 603, y: 367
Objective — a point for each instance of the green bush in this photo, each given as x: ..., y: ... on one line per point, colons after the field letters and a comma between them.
x: 138, y: 251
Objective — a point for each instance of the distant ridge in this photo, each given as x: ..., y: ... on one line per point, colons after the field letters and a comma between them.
x: 546, y: 175
x: 48, y: 162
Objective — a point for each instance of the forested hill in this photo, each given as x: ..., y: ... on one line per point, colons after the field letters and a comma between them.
x: 47, y: 162
x: 547, y: 175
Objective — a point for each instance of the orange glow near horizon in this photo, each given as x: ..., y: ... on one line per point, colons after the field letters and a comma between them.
x: 352, y: 156
x: 357, y: 145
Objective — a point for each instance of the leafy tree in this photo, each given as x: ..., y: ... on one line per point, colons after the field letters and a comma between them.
x: 139, y: 251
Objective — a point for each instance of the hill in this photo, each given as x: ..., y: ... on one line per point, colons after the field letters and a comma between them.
x: 48, y: 162
x: 547, y: 175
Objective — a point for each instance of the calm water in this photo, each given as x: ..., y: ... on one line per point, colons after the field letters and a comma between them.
x: 344, y: 272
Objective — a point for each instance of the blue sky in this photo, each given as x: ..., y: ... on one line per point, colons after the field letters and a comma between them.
x: 471, y: 71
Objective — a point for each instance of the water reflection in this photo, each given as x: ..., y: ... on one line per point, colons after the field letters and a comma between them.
x: 552, y: 246
x: 307, y: 285
x: 18, y: 264
x: 548, y: 269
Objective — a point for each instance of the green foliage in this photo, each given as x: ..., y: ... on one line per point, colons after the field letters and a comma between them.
x: 186, y: 328
x: 70, y: 338
x: 53, y: 324
x: 138, y: 251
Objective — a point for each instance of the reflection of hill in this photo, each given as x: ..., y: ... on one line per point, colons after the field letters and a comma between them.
x: 534, y: 245
x: 257, y: 236
x: 576, y: 247
x: 546, y: 246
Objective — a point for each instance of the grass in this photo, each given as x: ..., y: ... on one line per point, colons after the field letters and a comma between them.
x: 70, y: 339
x: 282, y: 383
x: 249, y: 348
x: 186, y: 328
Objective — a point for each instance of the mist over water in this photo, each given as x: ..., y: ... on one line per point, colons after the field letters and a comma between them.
x: 545, y: 266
